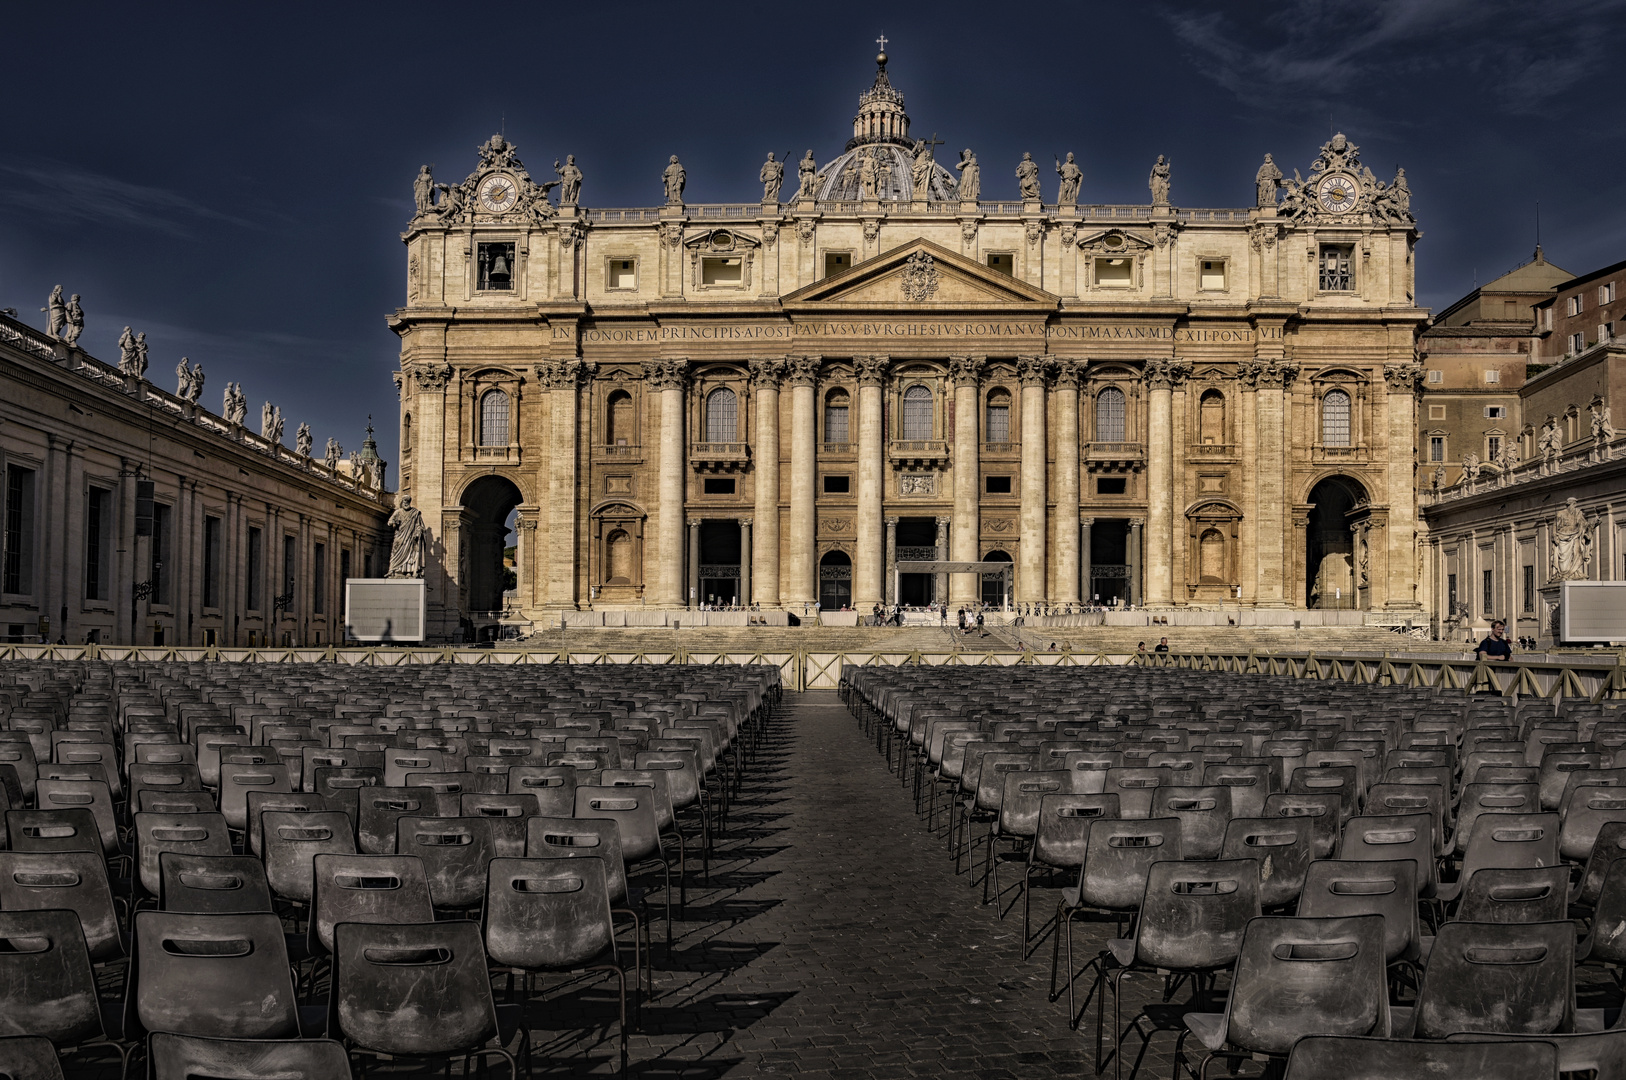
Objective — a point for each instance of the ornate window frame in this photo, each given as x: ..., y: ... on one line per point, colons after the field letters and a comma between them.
x: 704, y: 380
x: 604, y: 387
x: 608, y: 517
x: 475, y: 385
x: 1353, y: 383
x: 1224, y: 516
x: 724, y: 244
x: 1114, y: 244
x: 471, y: 263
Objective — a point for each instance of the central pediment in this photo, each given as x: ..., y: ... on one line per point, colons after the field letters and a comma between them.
x: 921, y: 276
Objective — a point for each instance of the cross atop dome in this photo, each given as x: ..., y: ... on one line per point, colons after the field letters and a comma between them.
x: 880, y: 118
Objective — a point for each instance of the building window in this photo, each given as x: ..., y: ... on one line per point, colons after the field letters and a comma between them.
x: 98, y: 543
x: 837, y: 261
x: 1436, y: 448
x: 1546, y: 318
x: 496, y: 266
x: 1606, y: 293
x: 1577, y: 343
x: 1211, y: 275
x: 1335, y: 419
x: 1109, y: 415
x: 623, y: 274
x: 1116, y: 273
x: 1002, y: 263
x: 162, y: 524
x: 1212, y: 413
x: 1529, y: 589
x: 344, y: 566
x: 722, y: 415
x: 1575, y: 304
x: 1337, y: 268
x: 718, y: 486
x: 835, y: 417
x: 1451, y: 595
x: 319, y: 575
x: 619, y: 420
x: 725, y: 271
x: 1112, y: 485
x: 211, y: 562
x: 494, y: 418
x: 837, y: 483
x: 1436, y: 376
x: 290, y: 563
x: 1488, y: 582
x: 1493, y: 375
x: 998, y: 426
x: 917, y: 413
x: 19, y: 550
x: 1495, y: 412
x: 1493, y: 447
x: 1606, y: 331
x: 256, y: 568
x: 997, y: 485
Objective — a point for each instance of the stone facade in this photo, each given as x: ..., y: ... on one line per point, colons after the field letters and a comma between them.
x: 776, y: 403
x: 247, y: 542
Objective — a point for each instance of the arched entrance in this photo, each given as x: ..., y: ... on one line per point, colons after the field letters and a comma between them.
x: 488, y: 507
x: 1330, y: 571
x: 993, y: 585
x: 835, y: 581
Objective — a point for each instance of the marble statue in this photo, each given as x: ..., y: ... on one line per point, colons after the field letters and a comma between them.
x: 674, y: 178
x: 407, y: 546
x: 183, y: 380
x: 1267, y: 180
x: 268, y: 416
x: 276, y: 426
x: 140, y: 367
x: 1507, y: 459
x: 1572, y: 543
x: 127, y: 352
x: 423, y: 190
x: 1027, y: 174
x: 807, y: 171
x: 1400, y: 192
x: 1159, y: 181
x: 450, y: 207
x: 1550, y: 442
x: 330, y: 456
x: 1072, y: 178
x: 239, y: 405
x: 970, y: 176
x: 920, y: 172
x: 195, y: 391
x: 76, y: 322
x: 56, y: 313
x: 570, y: 181
x: 869, y: 175
x: 1439, y: 477
x: 1470, y: 468
x: 302, y: 441
x: 1603, y: 430
x: 772, y: 177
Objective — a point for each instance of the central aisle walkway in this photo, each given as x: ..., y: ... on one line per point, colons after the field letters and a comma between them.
x: 835, y: 940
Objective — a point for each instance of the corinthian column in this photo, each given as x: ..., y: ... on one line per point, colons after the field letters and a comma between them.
x: 964, y: 371
x: 1066, y: 587
x: 667, y: 379
x: 1158, y: 558
x: 1400, y: 536
x: 799, y: 586
x: 765, y: 376
x: 1030, y: 573
x: 867, y: 569
x: 1270, y: 485
x: 563, y: 380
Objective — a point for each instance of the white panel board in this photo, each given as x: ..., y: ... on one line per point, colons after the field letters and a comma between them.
x: 1593, y: 611
x: 384, y: 609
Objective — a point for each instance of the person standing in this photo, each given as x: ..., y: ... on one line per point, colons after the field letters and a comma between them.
x: 1162, y: 645
x: 1496, y: 646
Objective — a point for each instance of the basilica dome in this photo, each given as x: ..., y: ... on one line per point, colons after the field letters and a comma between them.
x: 881, y: 131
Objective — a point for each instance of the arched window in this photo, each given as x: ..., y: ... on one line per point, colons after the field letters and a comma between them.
x: 836, y: 404
x: 997, y: 428
x: 494, y: 418
x: 618, y: 547
x: 1211, y: 556
x: 618, y: 420
x: 722, y: 415
x: 1213, y: 417
x: 406, y: 433
x: 917, y: 413
x: 1109, y: 415
x: 1335, y: 419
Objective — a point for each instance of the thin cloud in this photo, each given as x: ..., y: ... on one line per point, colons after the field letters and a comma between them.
x: 66, y: 195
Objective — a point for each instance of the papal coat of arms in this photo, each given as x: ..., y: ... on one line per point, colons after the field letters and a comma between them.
x: 919, y: 277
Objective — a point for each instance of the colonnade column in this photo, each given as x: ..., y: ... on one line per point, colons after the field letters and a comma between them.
x: 1067, y: 587
x: 1158, y: 551
x: 867, y: 569
x: 764, y: 556
x: 564, y: 380
x: 798, y: 584
x: 692, y: 594
x: 1084, y: 525
x: 1270, y: 485
x: 667, y: 379
x: 1402, y: 386
x: 940, y: 584
x: 1135, y: 541
x: 891, y: 563
x: 963, y: 540
x: 1030, y: 572
x: 745, y: 562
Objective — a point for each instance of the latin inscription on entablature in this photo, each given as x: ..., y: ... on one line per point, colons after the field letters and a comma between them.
x: 813, y: 330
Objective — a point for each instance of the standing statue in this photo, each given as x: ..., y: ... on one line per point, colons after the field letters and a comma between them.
x: 807, y: 170
x: 302, y: 441
x: 1400, y: 196
x: 330, y: 456
x: 423, y: 190
x: 1603, y: 430
x: 1572, y: 543
x: 1550, y: 442
x: 76, y: 323
x: 1267, y: 180
x: 1439, y: 477
x: 267, y: 415
x: 56, y: 312
x: 276, y: 426
x: 772, y: 177
x: 183, y: 380
x: 970, y: 176
x: 920, y: 172
x: 1027, y: 174
x: 194, y: 389
x: 407, y: 546
x: 1159, y: 182
x: 1507, y: 459
x: 1072, y: 178
x: 228, y: 401
x: 237, y: 411
x: 140, y: 355
x: 127, y: 352
x: 570, y: 180
x: 674, y: 178
x: 1470, y: 468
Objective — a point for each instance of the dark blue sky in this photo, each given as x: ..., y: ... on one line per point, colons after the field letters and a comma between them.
x: 233, y: 179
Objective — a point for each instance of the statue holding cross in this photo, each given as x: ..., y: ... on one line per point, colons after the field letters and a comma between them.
x: 921, y: 172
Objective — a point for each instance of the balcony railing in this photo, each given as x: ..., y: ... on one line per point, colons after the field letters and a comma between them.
x: 918, y: 451
x: 619, y: 454
x: 1211, y: 450
x: 1001, y: 447
x: 719, y: 455
x: 1116, y: 456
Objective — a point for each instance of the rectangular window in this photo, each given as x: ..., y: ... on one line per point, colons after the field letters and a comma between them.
x: 1436, y: 448
x: 1495, y: 412
x: 319, y: 576
x: 1577, y: 343
x: 344, y: 566
x: 1493, y: 447
x: 495, y: 263
x: 1493, y: 375
x: 623, y: 274
x: 1111, y: 485
x: 1606, y: 331
x: 19, y: 540
x: 1211, y: 275
x: 1575, y: 304
x: 1436, y: 376
x: 837, y: 483
x: 999, y: 423
x: 835, y: 424
x: 1490, y: 598
x: 1337, y: 268
x: 719, y: 487
x: 162, y: 540
x: 1606, y: 293
x: 1115, y: 273
x: 1002, y: 263
x: 290, y: 563
x: 211, y: 562
x: 727, y: 272
x: 1529, y: 590
x: 1451, y: 594
x: 1546, y: 318
x: 837, y: 261
x: 256, y: 568
x: 98, y: 543
x: 998, y: 485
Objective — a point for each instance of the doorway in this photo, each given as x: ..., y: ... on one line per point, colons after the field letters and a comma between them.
x: 835, y: 581
x: 719, y: 563
x: 488, y: 509
x: 1109, y: 562
x: 1331, y: 575
x: 996, y: 586
x: 917, y: 542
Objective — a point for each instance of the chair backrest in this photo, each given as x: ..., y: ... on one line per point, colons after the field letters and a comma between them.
x: 212, y: 884
x: 162, y: 778
x: 70, y: 880
x: 181, y: 1057
x: 1388, y: 799
x: 259, y: 802
x: 1610, y: 846
x: 1061, y: 831
x: 455, y: 853
x: 237, y: 780
x: 220, y: 976
x: 1249, y: 784
x: 1323, y: 779
x: 195, y: 834
x: 1333, y: 1057
x: 384, y: 971
x: 1134, y: 787
x: 1393, y: 837
x: 365, y: 889
x: 1284, y: 848
x: 54, y: 830
x: 29, y: 1057
x: 548, y: 914
x: 552, y: 786
x: 1295, y: 975
x: 507, y: 814
x: 574, y: 838
x: 92, y: 795
x: 1502, y: 894
x: 47, y: 985
x: 1193, y: 914
x: 651, y: 780
x: 1512, y: 978
x: 1586, y: 811
x: 1594, y: 1055
x: 1023, y: 794
x: 1491, y: 798
x: 633, y: 809
x: 1556, y: 770
x: 1511, y: 840
x: 1337, y: 887
x: 160, y: 801
x: 293, y: 839
x: 399, y: 763
x: 1203, y: 813
x: 1321, y: 809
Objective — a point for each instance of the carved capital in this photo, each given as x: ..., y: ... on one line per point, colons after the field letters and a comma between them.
x: 745, y: 523
x: 1278, y: 374
x: 1137, y: 523
x: 1031, y: 370
x: 871, y: 370
x: 1034, y: 230
x: 1068, y: 374
x: 526, y: 524
x: 667, y: 374
x: 804, y: 230
x: 432, y: 378
x: 1247, y: 373
x: 766, y: 373
x: 671, y: 233
x: 577, y: 372
x: 1166, y: 374
x: 802, y: 370
x: 966, y: 370
x: 1403, y: 378
x: 770, y: 234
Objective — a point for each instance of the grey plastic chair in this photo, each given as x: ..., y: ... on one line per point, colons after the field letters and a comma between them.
x: 182, y: 1057
x: 1330, y: 1057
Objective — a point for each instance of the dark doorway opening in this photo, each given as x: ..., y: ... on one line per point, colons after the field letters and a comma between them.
x: 488, y: 507
x: 916, y: 542
x: 720, y: 562
x: 835, y: 581
x: 996, y: 586
x: 1331, y: 574
x: 1109, y: 562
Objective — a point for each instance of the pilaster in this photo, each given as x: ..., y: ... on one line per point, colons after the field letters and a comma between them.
x: 1030, y: 573
x: 964, y: 372
x: 1065, y: 589
x: 764, y: 555
x: 799, y: 583
x: 667, y: 378
x: 867, y: 565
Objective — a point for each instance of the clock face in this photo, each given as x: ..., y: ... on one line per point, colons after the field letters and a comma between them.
x: 498, y: 194
x: 1337, y: 193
